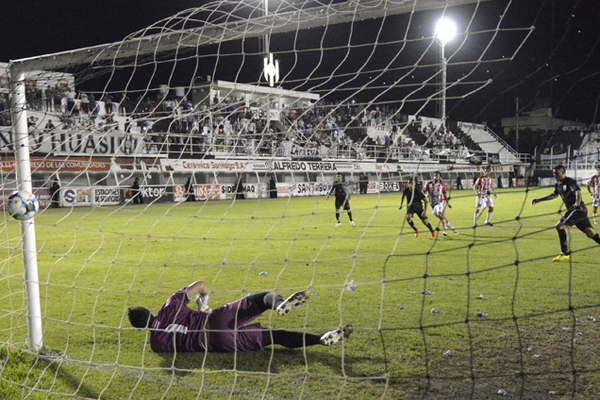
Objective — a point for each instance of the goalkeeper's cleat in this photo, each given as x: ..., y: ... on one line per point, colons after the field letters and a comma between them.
x: 561, y: 257
x: 333, y: 337
x: 295, y: 300
x: 338, y: 224
x: 352, y: 223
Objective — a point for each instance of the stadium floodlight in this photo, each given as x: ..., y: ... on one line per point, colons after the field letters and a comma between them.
x: 445, y: 32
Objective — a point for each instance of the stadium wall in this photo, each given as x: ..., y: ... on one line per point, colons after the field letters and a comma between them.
x: 107, y: 181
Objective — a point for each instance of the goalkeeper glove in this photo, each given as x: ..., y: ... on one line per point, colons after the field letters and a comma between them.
x: 202, y: 303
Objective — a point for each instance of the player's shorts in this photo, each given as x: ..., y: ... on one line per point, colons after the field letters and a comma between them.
x: 416, y: 209
x: 439, y: 208
x: 596, y: 202
x: 483, y: 202
x: 230, y: 329
x: 577, y: 217
x: 342, y: 202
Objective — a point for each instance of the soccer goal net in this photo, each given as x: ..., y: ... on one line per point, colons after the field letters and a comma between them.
x: 217, y: 144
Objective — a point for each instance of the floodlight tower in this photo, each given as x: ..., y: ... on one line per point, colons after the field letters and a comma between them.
x: 270, y: 65
x: 445, y: 32
x: 266, y: 39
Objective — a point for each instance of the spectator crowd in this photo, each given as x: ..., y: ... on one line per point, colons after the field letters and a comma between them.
x: 233, y: 125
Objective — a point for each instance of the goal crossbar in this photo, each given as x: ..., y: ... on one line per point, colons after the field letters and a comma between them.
x: 196, y: 37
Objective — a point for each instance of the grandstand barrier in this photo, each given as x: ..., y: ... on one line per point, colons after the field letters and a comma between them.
x: 80, y: 143
x: 194, y: 180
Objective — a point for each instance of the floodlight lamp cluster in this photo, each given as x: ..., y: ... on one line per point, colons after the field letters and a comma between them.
x: 445, y: 30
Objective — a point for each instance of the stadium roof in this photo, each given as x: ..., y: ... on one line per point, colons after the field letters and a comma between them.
x: 264, y: 90
x: 209, y: 33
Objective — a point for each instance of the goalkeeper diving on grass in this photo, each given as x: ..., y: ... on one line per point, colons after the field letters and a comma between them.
x: 229, y: 328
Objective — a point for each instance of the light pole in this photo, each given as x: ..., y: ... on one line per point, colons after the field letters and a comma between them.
x: 445, y: 32
x: 270, y: 69
x: 266, y: 42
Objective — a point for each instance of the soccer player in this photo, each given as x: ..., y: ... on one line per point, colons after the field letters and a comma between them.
x: 594, y: 189
x: 414, y: 205
x: 342, y: 198
x: 484, y: 188
x: 576, y: 213
x: 438, y: 197
x: 177, y: 328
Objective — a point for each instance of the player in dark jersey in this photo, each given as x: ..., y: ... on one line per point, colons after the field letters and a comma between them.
x: 416, y: 203
x: 177, y: 328
x: 342, y: 198
x: 576, y: 213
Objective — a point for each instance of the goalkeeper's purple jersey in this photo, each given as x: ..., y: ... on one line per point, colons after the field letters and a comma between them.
x: 176, y: 328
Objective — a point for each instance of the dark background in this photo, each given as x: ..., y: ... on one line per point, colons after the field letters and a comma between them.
x: 558, y: 65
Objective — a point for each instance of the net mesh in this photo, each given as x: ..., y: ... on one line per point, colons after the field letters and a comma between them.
x: 181, y: 111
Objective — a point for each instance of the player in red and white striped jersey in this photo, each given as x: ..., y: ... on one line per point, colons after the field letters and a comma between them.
x: 484, y: 189
x: 594, y: 189
x: 437, y: 193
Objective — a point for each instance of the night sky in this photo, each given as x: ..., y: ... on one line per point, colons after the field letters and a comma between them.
x: 557, y: 65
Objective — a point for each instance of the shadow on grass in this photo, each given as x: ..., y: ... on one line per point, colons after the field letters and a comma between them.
x: 36, y: 375
x: 80, y: 389
x: 268, y: 360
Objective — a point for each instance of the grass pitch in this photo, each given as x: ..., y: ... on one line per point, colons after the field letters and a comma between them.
x: 490, y: 326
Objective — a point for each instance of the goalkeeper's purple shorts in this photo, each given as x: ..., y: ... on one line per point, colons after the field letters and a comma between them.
x: 230, y: 329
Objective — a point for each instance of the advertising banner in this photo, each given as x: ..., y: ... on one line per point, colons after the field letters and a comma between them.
x: 310, y: 166
x: 78, y: 142
x: 76, y: 197
x: 249, y: 190
x: 179, y: 193
x: 98, y: 196
x: 207, y: 165
x: 153, y: 193
x: 149, y: 194
x: 302, y: 189
x: 106, y: 196
x: 203, y: 192
x: 60, y: 164
x: 326, y: 167
x: 283, y: 189
x: 388, y: 186
x: 42, y: 194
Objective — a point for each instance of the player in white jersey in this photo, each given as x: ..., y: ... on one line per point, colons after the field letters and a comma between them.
x: 594, y: 189
x: 436, y: 192
x: 484, y: 189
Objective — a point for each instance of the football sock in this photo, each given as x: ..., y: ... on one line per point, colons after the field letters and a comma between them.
x: 337, y: 216
x: 412, y: 225
x: 271, y: 300
x: 350, y: 215
x: 489, y: 217
x: 596, y: 238
x: 562, y: 235
x: 291, y: 340
x: 266, y: 300
x: 428, y: 225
